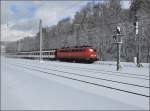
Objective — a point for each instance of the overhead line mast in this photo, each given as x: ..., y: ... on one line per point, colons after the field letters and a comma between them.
x: 41, y: 40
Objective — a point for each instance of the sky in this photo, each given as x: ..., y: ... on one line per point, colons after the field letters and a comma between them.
x: 21, y: 18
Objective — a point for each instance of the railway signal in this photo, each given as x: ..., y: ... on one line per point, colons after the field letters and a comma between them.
x: 118, y: 40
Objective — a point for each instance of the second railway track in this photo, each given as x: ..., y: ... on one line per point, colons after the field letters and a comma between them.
x: 100, y: 70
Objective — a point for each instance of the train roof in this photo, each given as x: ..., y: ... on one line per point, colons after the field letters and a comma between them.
x: 76, y: 47
x: 37, y: 51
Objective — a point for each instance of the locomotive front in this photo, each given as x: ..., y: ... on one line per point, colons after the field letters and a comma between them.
x: 91, y: 54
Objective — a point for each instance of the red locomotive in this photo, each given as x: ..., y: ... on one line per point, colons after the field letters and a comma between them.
x: 75, y: 54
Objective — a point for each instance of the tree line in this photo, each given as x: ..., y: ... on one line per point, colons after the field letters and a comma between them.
x: 94, y: 26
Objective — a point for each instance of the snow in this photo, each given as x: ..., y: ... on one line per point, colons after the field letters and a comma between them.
x: 23, y: 88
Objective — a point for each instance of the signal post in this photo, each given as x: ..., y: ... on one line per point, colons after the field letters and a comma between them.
x: 118, y: 41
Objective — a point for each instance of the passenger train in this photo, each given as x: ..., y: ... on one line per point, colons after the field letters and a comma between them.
x: 72, y: 54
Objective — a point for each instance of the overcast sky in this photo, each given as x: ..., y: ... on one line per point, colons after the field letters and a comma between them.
x: 21, y: 18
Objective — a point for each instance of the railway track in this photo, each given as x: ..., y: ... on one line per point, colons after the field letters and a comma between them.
x: 41, y: 69
x: 127, y: 75
x: 111, y: 64
x: 88, y: 76
x: 100, y: 70
x: 115, y: 73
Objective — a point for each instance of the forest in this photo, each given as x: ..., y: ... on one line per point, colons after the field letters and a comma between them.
x: 94, y: 25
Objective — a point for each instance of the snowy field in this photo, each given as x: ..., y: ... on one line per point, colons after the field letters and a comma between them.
x: 29, y: 84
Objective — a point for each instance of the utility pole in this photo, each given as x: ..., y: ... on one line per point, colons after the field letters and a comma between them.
x: 118, y: 40
x: 41, y: 40
x: 57, y: 38
x: 19, y: 45
x: 137, y: 37
x: 136, y: 24
x: 77, y: 32
x: 101, y: 50
x: 149, y: 64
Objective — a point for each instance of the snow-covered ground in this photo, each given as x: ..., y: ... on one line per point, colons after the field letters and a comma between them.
x: 29, y: 84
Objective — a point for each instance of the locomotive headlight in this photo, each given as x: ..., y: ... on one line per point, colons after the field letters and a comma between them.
x: 93, y: 55
x: 91, y: 50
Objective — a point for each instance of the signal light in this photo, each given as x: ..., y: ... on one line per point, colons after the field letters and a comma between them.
x: 118, y: 30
